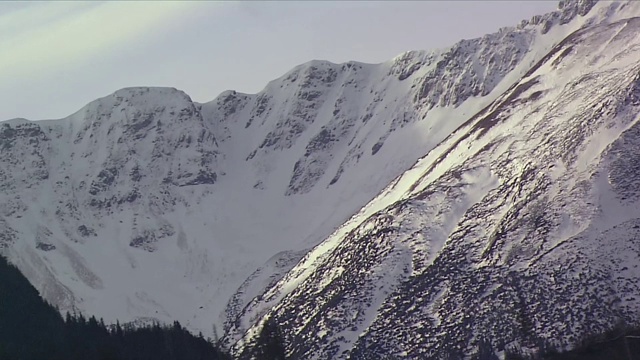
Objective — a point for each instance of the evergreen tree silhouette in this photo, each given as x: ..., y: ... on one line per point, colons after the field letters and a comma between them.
x: 270, y: 342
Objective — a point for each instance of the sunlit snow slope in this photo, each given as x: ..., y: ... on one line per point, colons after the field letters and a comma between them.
x: 520, y: 229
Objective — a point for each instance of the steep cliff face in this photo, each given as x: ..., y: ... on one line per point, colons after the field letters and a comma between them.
x: 107, y: 177
x: 516, y: 231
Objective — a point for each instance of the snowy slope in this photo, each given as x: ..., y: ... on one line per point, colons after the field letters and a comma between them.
x: 517, y: 230
x: 146, y: 205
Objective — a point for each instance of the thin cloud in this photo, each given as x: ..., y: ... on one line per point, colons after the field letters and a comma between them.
x: 42, y: 38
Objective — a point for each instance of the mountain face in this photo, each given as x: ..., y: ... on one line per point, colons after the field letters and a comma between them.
x: 146, y: 205
x: 418, y: 208
x: 518, y: 230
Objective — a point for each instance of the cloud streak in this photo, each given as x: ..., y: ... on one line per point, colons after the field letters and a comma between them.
x: 46, y: 36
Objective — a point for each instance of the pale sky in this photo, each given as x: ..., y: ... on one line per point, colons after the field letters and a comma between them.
x: 57, y: 56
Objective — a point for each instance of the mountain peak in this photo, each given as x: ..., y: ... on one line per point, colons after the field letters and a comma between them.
x: 583, y: 6
x: 145, y: 97
x: 139, y: 107
x: 147, y: 91
x: 572, y: 8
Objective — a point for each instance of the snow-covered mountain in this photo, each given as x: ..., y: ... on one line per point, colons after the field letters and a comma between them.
x: 146, y: 205
x: 492, y: 165
x: 518, y: 230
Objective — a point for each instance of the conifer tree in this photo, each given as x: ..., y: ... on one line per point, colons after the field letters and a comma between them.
x: 270, y: 342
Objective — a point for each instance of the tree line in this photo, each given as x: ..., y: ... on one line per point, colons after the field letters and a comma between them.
x: 32, y: 329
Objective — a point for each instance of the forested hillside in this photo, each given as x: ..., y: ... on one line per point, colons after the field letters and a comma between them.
x: 30, y: 328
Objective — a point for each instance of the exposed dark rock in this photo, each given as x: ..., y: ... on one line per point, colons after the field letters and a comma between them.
x: 45, y: 246
x: 85, y: 231
x: 104, y: 180
x: 376, y: 147
x: 145, y: 241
